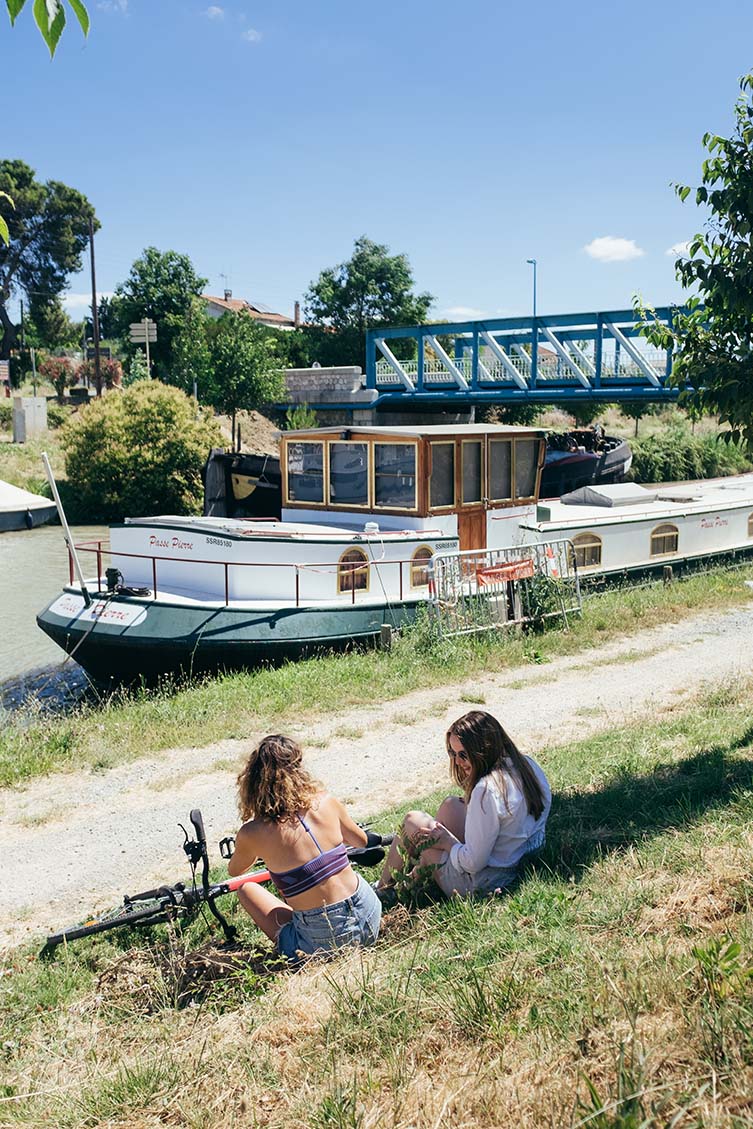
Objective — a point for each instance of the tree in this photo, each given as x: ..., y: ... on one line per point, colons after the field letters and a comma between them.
x: 713, y: 336
x: 192, y: 359
x: 48, y: 231
x: 49, y: 17
x: 246, y: 365
x: 141, y: 452
x: 161, y: 286
x: 372, y: 288
x: 50, y: 327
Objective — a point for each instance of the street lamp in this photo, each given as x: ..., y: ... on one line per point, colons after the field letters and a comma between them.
x: 533, y: 264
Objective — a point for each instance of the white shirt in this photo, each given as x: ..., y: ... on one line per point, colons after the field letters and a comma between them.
x: 499, y: 833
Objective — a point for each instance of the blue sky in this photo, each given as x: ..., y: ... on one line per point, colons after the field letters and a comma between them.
x: 262, y: 138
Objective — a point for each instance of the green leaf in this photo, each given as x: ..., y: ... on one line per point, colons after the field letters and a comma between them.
x: 81, y: 14
x: 50, y: 19
x: 4, y: 235
x: 14, y: 7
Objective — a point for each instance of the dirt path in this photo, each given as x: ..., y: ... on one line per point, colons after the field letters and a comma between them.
x: 72, y: 842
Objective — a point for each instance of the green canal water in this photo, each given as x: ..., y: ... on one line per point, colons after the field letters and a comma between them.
x: 33, y: 569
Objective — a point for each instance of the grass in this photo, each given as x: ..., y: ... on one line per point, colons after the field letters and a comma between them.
x: 21, y: 463
x: 122, y: 727
x: 613, y: 988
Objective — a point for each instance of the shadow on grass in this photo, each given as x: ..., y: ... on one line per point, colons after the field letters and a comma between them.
x: 632, y: 808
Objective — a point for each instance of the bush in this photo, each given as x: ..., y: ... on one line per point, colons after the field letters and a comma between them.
x: 6, y: 414
x: 678, y: 455
x: 60, y: 372
x: 138, y: 453
x: 300, y: 418
x: 57, y: 414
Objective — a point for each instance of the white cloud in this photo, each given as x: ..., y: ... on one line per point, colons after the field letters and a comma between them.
x: 213, y: 12
x: 251, y: 36
x: 613, y: 249
x: 678, y: 249
x: 465, y: 313
x: 113, y: 5
x: 78, y: 303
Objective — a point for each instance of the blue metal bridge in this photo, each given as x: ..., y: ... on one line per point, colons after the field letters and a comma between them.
x: 552, y: 359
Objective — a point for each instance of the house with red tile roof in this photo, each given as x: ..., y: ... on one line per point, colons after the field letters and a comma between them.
x: 216, y: 307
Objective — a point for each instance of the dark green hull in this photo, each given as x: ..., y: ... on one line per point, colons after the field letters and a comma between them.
x: 190, y: 639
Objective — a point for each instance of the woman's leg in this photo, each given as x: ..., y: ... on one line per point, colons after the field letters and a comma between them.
x: 451, y: 815
x: 268, y: 912
x: 402, y: 842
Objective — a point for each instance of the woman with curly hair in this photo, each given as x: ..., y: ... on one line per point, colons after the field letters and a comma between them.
x: 300, y: 832
x: 477, y: 842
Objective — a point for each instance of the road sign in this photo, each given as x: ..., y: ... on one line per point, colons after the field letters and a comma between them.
x: 105, y: 353
x: 142, y: 331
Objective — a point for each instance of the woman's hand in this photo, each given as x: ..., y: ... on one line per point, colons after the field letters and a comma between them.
x: 434, y: 836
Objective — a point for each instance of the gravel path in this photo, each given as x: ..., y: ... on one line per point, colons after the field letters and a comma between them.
x: 72, y: 842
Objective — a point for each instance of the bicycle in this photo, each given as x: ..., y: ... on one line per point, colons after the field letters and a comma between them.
x: 181, y: 902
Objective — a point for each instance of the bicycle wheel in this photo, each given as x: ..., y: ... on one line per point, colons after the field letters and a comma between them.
x: 152, y: 913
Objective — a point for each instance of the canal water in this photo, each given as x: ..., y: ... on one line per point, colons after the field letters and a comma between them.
x: 33, y: 569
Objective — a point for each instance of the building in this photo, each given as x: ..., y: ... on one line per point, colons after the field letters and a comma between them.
x: 216, y: 307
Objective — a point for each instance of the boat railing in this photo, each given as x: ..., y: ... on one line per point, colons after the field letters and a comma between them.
x: 348, y: 572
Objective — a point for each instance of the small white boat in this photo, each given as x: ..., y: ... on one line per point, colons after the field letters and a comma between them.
x: 19, y: 509
x: 365, y: 509
x: 625, y: 527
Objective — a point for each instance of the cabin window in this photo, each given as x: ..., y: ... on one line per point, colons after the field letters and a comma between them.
x: 353, y: 571
x: 349, y: 474
x: 419, y: 567
x: 306, y: 472
x: 526, y: 467
x: 750, y: 525
x: 664, y: 540
x: 587, y: 550
x: 500, y: 469
x: 395, y: 475
x: 442, y: 481
x: 471, y: 472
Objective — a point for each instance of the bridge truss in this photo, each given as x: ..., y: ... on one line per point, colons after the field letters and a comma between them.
x: 551, y: 359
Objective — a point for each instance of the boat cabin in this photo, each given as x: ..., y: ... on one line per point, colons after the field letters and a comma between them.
x: 465, y: 480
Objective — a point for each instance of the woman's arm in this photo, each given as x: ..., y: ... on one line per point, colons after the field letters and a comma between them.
x: 353, y: 835
x: 482, y: 827
x: 246, y: 851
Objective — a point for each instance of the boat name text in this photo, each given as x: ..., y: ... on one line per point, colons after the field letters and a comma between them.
x: 713, y: 522
x: 169, y: 543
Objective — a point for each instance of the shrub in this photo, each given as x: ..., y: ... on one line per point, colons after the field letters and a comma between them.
x: 138, y: 453
x: 110, y: 370
x: 300, y: 418
x: 678, y: 455
x: 57, y: 414
x: 60, y: 372
x: 6, y: 414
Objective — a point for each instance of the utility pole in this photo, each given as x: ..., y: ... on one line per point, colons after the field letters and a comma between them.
x: 95, y: 313
x: 23, y: 327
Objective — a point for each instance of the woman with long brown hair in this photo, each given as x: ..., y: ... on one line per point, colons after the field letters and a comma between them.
x: 301, y: 833
x: 477, y: 842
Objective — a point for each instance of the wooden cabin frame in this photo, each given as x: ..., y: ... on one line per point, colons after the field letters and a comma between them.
x: 473, y: 473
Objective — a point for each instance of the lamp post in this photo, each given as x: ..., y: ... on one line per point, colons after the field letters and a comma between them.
x: 533, y: 264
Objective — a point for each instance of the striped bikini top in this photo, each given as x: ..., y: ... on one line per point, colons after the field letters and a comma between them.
x: 323, y: 866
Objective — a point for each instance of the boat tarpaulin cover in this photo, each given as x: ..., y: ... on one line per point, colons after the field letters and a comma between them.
x: 618, y: 494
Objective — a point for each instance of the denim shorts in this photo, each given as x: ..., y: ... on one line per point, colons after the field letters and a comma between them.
x: 354, y: 921
x: 452, y: 879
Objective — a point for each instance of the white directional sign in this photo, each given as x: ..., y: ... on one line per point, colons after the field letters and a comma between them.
x: 142, y: 331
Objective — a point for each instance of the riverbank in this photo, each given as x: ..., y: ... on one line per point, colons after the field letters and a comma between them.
x: 119, y: 728
x: 611, y: 989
